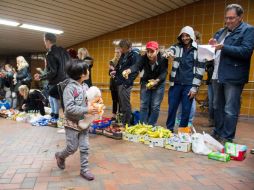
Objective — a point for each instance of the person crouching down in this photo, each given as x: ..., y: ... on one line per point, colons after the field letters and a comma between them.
x: 76, y: 106
x: 33, y: 99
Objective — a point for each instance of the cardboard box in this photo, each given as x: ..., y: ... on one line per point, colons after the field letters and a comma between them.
x: 178, y: 146
x: 130, y: 137
x: 143, y: 138
x: 160, y: 142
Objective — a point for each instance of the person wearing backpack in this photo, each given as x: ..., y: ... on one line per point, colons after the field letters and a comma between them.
x: 76, y: 109
x: 57, y: 58
x: 234, y: 46
x: 128, y: 58
x: 185, y: 78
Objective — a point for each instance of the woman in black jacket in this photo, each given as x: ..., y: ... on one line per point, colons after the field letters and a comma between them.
x: 33, y: 100
x: 113, y: 85
x: 83, y: 55
x: 22, y: 77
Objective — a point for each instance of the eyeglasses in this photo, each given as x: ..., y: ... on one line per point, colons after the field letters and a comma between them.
x: 231, y: 18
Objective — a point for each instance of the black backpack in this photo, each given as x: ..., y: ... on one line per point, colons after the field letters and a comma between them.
x: 61, y: 86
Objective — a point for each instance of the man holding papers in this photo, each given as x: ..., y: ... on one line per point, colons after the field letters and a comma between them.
x: 234, y: 45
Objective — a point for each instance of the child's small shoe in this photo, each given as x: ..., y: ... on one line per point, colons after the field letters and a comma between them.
x: 60, y: 161
x: 87, y: 175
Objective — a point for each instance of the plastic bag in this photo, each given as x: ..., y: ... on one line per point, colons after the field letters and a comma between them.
x: 198, y: 144
x: 212, y: 143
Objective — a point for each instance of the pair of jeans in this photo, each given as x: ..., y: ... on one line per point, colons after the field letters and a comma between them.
x: 192, y: 112
x: 176, y: 94
x: 54, y: 105
x: 74, y: 140
x: 226, y: 105
x: 150, y: 101
x: 124, y: 94
x: 210, y: 102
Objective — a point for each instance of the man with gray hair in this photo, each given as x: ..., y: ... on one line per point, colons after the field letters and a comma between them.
x: 234, y: 46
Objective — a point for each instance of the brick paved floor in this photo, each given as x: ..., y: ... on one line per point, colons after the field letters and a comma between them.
x: 27, y: 162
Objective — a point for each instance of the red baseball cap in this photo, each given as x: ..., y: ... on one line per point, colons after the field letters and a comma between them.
x: 152, y: 45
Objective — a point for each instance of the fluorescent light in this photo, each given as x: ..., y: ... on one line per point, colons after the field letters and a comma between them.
x: 116, y: 42
x: 9, y: 23
x: 41, y: 28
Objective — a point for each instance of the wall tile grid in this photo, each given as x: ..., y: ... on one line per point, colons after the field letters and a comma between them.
x: 206, y: 16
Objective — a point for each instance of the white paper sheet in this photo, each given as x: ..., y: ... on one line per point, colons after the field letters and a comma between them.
x: 206, y: 53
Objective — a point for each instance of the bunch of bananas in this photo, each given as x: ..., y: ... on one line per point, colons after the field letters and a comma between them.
x: 154, y: 132
x: 160, y: 132
x: 139, y: 129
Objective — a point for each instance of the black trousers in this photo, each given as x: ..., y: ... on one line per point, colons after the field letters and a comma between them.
x: 115, y: 100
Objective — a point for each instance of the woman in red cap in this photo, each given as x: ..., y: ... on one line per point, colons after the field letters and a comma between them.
x: 155, y: 68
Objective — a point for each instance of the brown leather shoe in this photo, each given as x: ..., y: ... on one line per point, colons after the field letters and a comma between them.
x: 60, y: 161
x: 87, y: 175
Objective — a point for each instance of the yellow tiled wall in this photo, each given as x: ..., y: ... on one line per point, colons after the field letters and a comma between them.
x: 206, y: 16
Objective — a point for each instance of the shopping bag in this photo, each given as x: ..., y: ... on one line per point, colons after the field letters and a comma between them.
x: 198, y: 144
x: 212, y: 143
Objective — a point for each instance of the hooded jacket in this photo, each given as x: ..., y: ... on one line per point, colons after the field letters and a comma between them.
x: 75, y: 102
x: 177, y: 50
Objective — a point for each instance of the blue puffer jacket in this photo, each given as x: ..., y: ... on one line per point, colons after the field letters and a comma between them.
x: 236, y: 55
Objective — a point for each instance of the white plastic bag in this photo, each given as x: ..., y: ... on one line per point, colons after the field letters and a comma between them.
x: 198, y: 144
x: 212, y: 143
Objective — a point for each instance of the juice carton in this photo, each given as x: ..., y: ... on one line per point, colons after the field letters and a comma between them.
x: 236, y: 151
x: 219, y: 156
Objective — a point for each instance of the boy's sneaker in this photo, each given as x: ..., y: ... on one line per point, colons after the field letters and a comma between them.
x: 177, y: 122
x: 60, y: 161
x: 87, y: 175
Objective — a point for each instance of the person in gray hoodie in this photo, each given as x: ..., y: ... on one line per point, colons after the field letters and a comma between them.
x: 76, y: 106
x: 185, y: 78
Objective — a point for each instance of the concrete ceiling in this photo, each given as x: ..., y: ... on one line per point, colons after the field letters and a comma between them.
x: 79, y: 19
